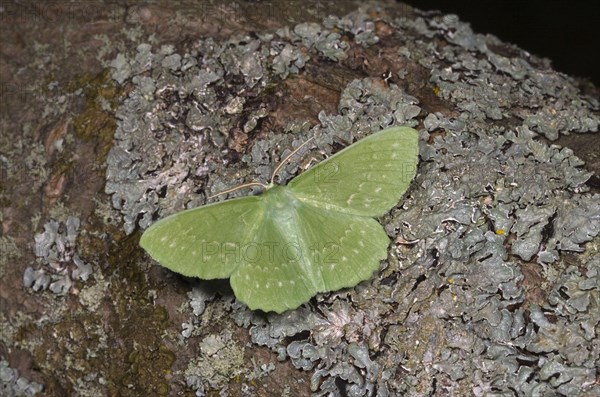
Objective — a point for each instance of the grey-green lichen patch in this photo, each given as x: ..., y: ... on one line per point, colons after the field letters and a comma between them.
x: 13, y: 385
x: 546, y: 102
x: 59, y: 265
x: 34, y: 160
x: 357, y: 23
x: 318, y: 39
x: 450, y: 312
x: 220, y: 360
x: 289, y: 60
x: 91, y: 296
x: 8, y: 252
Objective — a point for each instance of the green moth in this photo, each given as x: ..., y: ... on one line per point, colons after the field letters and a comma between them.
x: 316, y: 234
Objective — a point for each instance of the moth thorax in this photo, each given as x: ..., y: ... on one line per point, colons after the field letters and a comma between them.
x: 280, y: 200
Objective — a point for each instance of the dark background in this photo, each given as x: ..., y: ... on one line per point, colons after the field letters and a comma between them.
x: 567, y: 32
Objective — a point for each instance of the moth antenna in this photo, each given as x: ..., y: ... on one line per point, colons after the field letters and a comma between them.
x: 237, y: 188
x: 287, y: 158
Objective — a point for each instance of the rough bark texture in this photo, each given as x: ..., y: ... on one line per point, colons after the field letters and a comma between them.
x: 118, y: 330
